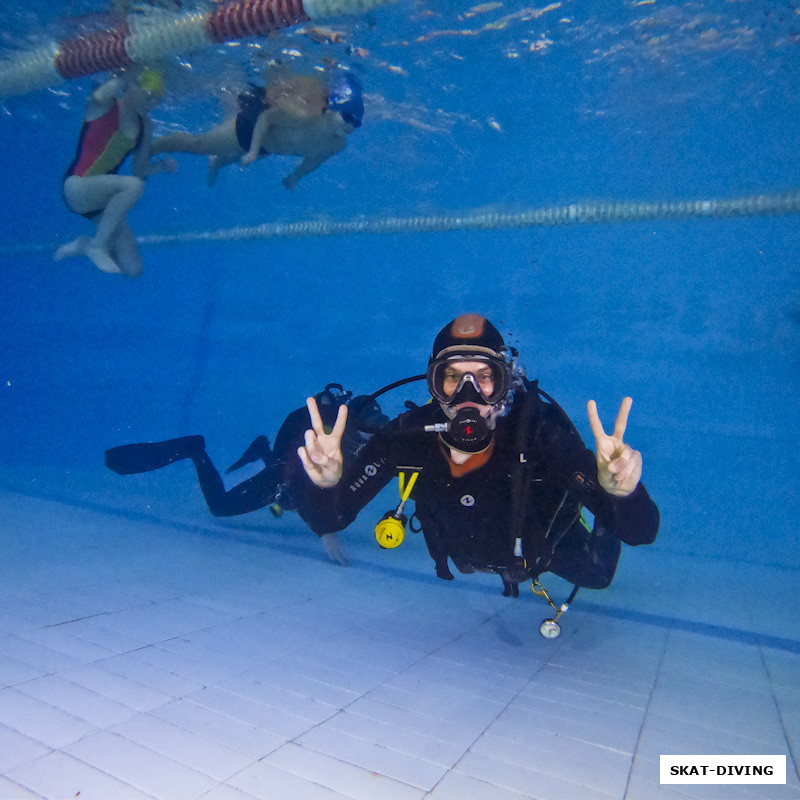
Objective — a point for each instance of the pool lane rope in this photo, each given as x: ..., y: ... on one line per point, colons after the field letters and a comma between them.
x: 143, y: 40
x: 583, y: 213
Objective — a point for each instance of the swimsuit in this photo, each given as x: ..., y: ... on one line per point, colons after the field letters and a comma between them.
x: 251, y: 104
x: 102, y: 147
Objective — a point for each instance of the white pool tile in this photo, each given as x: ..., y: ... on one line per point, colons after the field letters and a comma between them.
x: 313, y: 703
x: 348, y: 675
x: 267, y: 782
x: 161, y: 680
x: 567, y: 759
x: 468, y: 711
x: 93, y: 631
x: 293, y: 677
x: 414, y: 722
x: 460, y: 786
x: 634, y: 693
x: 471, y: 674
x: 392, y: 763
x: 670, y: 735
x: 525, y: 780
x: 364, y: 648
x: 706, y: 701
x: 59, y: 775
x: 619, y: 732
x: 40, y: 656
x: 11, y: 790
x: 219, y: 728
x: 77, y: 700
x: 13, y: 671
x: 144, y: 769
x: 431, y: 748
x: 571, y: 699
x: 133, y: 694
x: 60, y: 639
x: 613, y: 680
x: 191, y: 659
x: 150, y: 623
x: 450, y: 687
x: 341, y: 658
x: 16, y: 748
x: 185, y: 747
x: 264, y: 717
x: 470, y: 656
x: 39, y: 720
x: 223, y: 791
x: 349, y: 780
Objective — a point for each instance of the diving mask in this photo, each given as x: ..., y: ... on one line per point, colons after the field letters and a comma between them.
x: 486, y: 382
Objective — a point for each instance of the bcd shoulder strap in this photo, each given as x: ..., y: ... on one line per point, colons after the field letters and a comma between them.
x: 536, y: 402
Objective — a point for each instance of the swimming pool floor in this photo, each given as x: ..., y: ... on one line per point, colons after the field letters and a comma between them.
x: 150, y: 651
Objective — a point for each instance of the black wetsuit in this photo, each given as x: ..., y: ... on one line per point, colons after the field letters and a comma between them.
x: 282, y: 475
x: 471, y: 519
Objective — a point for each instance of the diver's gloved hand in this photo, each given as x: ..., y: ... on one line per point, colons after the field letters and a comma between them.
x: 443, y: 571
x: 334, y: 549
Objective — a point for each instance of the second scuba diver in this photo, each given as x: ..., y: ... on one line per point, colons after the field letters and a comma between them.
x: 275, y: 486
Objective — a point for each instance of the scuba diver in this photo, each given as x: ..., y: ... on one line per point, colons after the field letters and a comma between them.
x: 499, y: 474
x: 276, y: 484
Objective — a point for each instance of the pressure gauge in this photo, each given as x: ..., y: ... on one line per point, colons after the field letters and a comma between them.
x: 550, y: 629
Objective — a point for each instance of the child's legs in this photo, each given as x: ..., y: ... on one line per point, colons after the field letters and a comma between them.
x: 219, y: 141
x: 126, y: 251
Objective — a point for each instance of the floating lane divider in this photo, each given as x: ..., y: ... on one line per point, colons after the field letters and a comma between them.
x: 584, y: 213
x: 147, y: 40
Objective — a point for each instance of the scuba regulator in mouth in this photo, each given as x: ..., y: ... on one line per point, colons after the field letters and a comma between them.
x: 468, y: 431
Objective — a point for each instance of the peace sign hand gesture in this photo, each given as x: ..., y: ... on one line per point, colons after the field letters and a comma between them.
x: 619, y: 466
x: 322, y: 453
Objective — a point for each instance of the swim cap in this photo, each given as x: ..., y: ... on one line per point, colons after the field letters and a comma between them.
x: 151, y: 80
x: 344, y: 96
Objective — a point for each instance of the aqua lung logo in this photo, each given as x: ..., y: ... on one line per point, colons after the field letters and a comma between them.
x: 370, y: 471
x: 468, y: 500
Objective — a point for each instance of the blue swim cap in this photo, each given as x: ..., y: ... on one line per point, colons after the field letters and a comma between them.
x: 344, y: 96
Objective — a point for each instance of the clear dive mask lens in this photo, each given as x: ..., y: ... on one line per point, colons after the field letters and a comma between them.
x: 447, y: 378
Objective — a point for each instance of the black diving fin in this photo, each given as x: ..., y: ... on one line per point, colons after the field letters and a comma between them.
x: 129, y: 459
x: 258, y: 449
